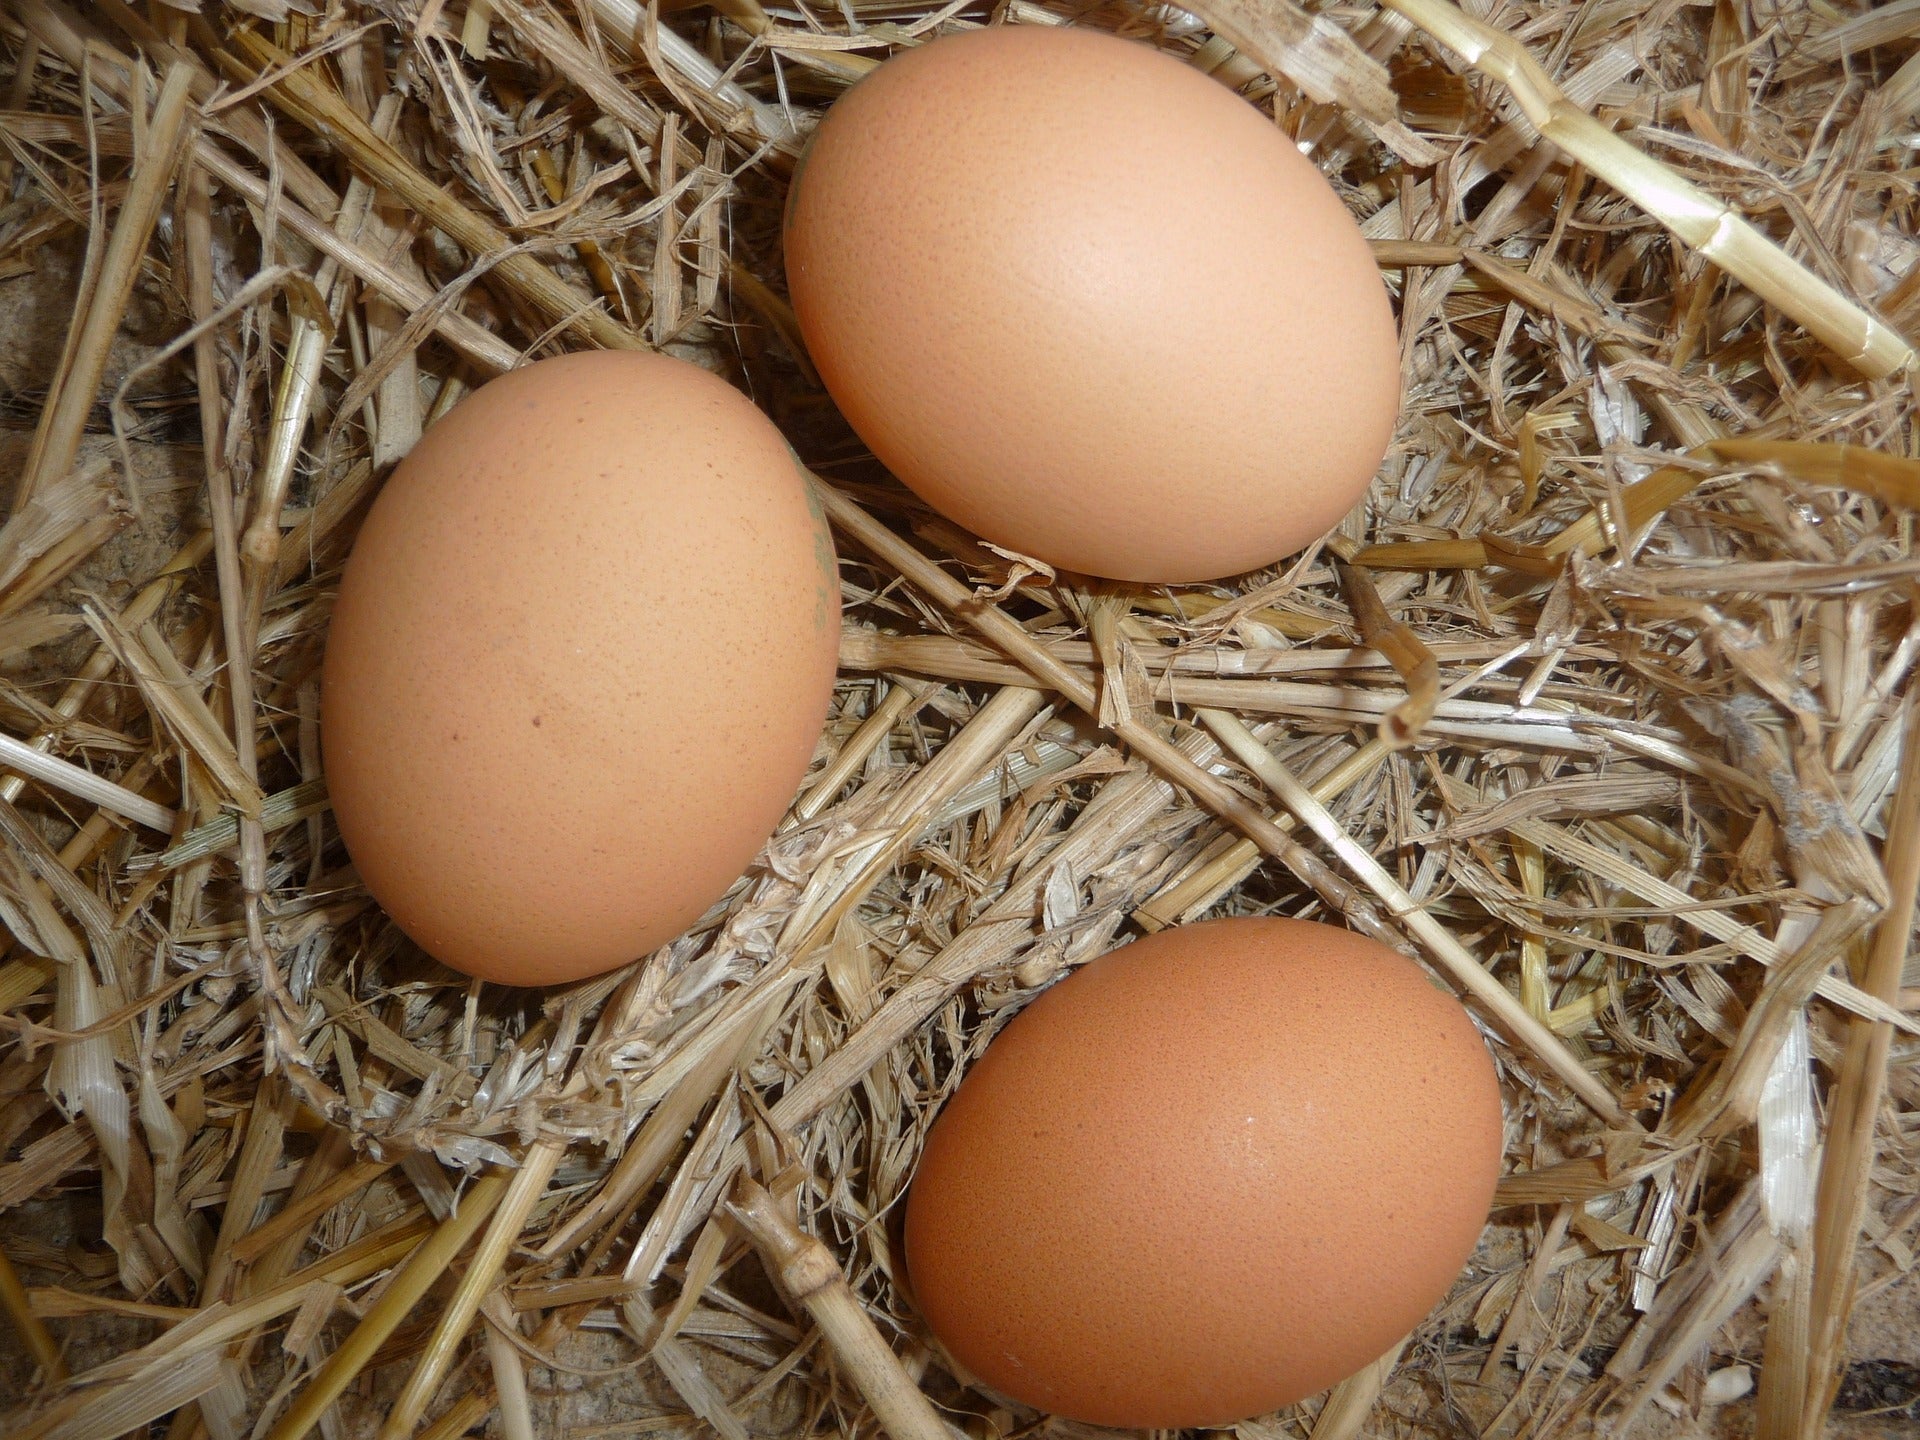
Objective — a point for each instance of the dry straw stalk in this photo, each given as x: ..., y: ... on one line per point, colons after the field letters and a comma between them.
x: 806, y: 1270
x: 56, y: 443
x: 1710, y: 226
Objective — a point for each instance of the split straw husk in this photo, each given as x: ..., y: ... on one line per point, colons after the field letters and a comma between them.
x: 1599, y: 705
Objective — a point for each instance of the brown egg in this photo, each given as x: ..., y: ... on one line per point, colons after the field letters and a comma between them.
x: 579, y: 663
x: 1207, y: 1175
x: 1092, y: 305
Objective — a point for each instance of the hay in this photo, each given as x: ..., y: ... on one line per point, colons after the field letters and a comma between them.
x: 1601, y: 705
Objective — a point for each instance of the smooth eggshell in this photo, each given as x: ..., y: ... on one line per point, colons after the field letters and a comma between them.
x: 580, y: 660
x: 1207, y: 1175
x: 1092, y: 305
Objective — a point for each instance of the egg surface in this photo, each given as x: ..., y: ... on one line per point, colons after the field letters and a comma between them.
x: 1207, y: 1175
x: 581, y: 656
x: 1092, y: 305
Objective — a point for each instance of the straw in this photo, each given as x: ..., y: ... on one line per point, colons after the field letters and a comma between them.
x: 31, y: 1330
x: 1598, y: 702
x: 308, y: 99
x: 56, y: 443
x: 806, y: 1271
x: 1695, y: 217
x: 1847, y: 1163
x: 408, y: 1285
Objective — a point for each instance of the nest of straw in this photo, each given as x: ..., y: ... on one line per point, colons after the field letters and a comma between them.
x: 1599, y: 705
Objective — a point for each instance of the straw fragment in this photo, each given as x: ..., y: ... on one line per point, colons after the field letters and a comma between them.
x: 176, y: 701
x: 1854, y: 1111
x: 65, y: 776
x: 1322, y: 59
x: 482, y: 1274
x: 1695, y: 217
x: 277, y: 811
x: 307, y: 99
x: 422, y: 1268
x: 56, y: 442
x: 1405, y: 651
x: 1452, y: 957
x: 509, y: 1370
x: 806, y: 1271
x: 1732, y: 1095
x: 63, y: 523
x: 28, y: 1324
x: 122, y: 1408
x: 695, y: 80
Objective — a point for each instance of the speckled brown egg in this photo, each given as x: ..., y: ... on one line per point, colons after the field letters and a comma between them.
x: 1092, y: 305
x: 581, y: 656
x: 1207, y: 1175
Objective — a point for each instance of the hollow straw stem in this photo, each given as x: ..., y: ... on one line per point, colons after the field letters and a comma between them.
x: 223, y: 516
x: 1208, y: 883
x: 807, y: 1271
x: 902, y: 698
x: 1847, y: 1162
x: 509, y: 1370
x: 1694, y: 217
x: 77, y: 780
x: 312, y: 331
x: 528, y: 1185
x: 409, y: 1283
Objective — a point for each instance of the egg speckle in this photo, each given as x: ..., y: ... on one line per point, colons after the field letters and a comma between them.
x: 579, y: 662
x: 1207, y: 1175
x: 1092, y: 305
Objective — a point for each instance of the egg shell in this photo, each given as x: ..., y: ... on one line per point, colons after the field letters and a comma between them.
x: 580, y: 660
x: 1205, y: 1176
x: 1092, y: 305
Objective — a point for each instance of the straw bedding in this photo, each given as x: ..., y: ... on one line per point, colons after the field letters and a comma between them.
x: 1599, y: 705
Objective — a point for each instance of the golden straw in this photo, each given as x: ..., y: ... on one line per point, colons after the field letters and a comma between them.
x: 1710, y: 226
